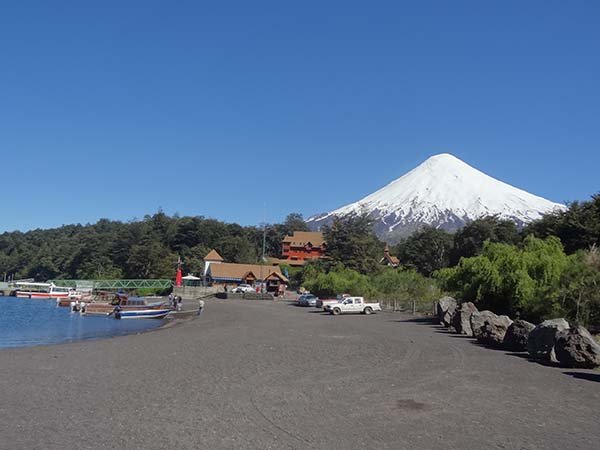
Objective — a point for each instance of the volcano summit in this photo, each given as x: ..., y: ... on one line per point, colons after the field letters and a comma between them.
x: 443, y: 192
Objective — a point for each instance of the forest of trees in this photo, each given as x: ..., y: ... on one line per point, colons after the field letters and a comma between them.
x: 549, y: 268
x: 148, y: 248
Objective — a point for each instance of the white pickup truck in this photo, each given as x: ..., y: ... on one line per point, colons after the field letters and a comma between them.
x: 353, y: 305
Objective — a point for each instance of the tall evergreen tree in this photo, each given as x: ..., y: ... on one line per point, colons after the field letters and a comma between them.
x: 351, y: 242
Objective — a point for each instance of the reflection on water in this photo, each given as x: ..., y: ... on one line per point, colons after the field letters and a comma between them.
x: 25, y: 322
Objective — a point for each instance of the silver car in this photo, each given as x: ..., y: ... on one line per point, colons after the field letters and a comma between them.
x: 307, y: 300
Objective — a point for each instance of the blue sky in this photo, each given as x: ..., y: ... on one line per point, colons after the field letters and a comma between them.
x: 216, y: 108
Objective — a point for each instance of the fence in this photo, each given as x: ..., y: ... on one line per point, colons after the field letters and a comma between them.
x: 194, y: 292
x: 414, y: 306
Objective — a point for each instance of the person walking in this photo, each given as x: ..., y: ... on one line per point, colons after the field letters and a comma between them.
x: 179, y: 304
x: 200, y: 306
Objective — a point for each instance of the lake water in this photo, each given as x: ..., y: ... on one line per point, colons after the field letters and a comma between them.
x: 25, y: 322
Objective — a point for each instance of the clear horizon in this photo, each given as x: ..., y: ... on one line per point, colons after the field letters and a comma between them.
x: 112, y: 111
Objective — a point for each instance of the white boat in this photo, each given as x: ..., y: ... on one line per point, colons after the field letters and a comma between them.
x: 42, y: 290
x: 142, y: 314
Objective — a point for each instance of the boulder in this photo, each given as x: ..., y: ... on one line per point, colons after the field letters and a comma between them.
x: 576, y: 347
x: 517, y: 335
x: 445, y: 308
x: 542, y: 338
x: 493, y: 331
x: 478, y: 319
x: 461, y: 321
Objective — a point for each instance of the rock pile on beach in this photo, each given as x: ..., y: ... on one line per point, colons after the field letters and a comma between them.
x: 493, y: 331
x: 552, y: 341
x: 478, y: 319
x: 445, y: 308
x: 517, y: 335
x: 461, y: 321
x: 575, y: 347
x: 543, y: 337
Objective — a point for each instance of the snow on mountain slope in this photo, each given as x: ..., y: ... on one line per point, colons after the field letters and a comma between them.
x: 443, y: 192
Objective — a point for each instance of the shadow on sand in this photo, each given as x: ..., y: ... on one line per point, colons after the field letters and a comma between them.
x: 419, y: 320
x: 585, y: 376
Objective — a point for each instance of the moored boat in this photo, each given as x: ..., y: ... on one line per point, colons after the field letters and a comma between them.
x: 42, y: 291
x: 74, y: 296
x: 121, y: 301
x: 142, y: 313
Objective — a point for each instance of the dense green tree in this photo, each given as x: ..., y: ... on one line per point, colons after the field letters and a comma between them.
x: 508, y: 279
x: 294, y: 222
x: 469, y: 240
x: 580, y: 287
x: 236, y: 249
x: 337, y: 281
x: 351, y: 242
x: 426, y: 250
x: 578, y: 227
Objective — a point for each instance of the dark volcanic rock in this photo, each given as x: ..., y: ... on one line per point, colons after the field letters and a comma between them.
x: 445, y: 307
x: 461, y: 321
x: 543, y: 337
x: 493, y: 331
x: 517, y: 335
x: 478, y: 319
x: 576, y: 347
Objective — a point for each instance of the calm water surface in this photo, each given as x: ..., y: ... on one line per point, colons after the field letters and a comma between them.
x: 25, y: 322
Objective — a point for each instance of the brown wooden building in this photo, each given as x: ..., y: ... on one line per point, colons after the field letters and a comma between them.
x: 302, y: 246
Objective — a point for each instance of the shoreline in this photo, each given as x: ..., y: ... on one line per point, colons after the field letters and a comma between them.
x: 174, y: 319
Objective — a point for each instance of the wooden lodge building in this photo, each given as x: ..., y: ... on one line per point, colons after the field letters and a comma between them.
x: 217, y: 272
x: 302, y: 246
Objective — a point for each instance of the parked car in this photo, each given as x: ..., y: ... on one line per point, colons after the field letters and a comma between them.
x: 241, y: 288
x: 328, y: 302
x: 354, y: 305
x: 307, y: 300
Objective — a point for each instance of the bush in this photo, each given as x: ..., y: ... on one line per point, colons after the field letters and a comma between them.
x: 337, y: 281
x: 403, y: 287
x: 511, y: 280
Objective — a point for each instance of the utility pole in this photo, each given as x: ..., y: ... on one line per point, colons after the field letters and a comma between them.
x: 264, y: 246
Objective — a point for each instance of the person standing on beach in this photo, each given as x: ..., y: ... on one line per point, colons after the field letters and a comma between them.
x: 179, y: 304
x: 200, y: 306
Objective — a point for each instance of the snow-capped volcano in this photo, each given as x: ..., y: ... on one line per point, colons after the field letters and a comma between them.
x: 443, y: 192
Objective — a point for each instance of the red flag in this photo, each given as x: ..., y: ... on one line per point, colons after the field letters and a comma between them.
x: 178, y: 276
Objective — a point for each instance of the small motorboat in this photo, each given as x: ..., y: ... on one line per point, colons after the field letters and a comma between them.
x: 124, y: 303
x: 141, y: 313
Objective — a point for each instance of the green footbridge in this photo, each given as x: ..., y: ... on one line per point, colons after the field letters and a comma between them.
x: 113, y: 285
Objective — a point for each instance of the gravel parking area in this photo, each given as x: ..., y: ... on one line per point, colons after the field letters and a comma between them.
x: 269, y: 375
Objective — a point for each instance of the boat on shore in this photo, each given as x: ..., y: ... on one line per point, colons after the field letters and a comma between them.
x: 119, y: 301
x: 75, y: 296
x: 142, y: 313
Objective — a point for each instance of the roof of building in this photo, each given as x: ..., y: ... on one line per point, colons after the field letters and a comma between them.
x: 236, y: 272
x: 301, y: 238
x: 274, y: 275
x: 289, y: 262
x: 213, y: 255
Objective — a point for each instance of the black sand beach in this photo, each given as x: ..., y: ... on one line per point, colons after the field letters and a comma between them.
x: 264, y: 375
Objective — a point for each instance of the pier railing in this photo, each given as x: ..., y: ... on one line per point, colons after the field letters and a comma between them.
x: 115, y: 284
